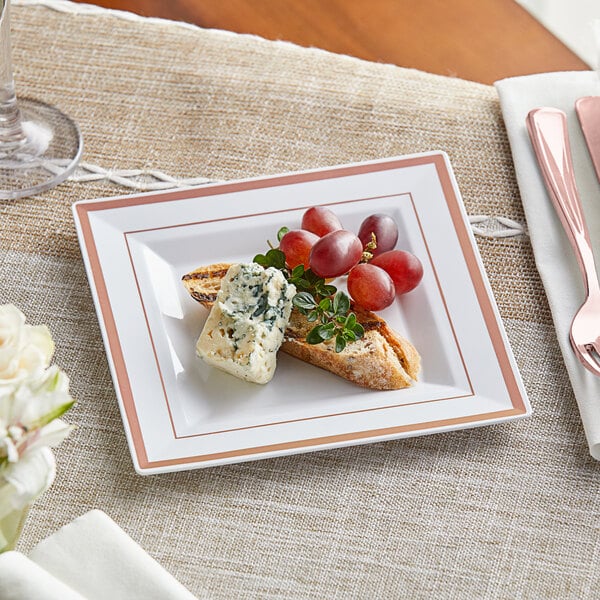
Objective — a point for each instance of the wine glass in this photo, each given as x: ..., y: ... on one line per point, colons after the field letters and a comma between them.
x: 39, y: 145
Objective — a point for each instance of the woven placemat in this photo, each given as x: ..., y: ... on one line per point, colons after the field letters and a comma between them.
x: 508, y: 511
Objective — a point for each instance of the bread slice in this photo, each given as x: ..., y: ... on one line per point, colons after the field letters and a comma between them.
x: 204, y: 283
x: 380, y: 360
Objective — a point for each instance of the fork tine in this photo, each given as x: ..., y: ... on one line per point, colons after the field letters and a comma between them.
x: 589, y: 356
x: 595, y: 349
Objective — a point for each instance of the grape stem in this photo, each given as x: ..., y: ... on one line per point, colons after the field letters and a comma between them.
x: 367, y: 254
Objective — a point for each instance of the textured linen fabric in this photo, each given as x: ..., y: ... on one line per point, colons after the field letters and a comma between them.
x: 507, y: 511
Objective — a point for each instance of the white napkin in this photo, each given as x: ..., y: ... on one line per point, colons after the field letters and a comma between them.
x: 22, y: 579
x: 91, y: 558
x: 554, y: 257
x: 94, y: 557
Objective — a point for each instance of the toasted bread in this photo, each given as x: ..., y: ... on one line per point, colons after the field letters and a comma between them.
x: 380, y: 360
x: 204, y: 283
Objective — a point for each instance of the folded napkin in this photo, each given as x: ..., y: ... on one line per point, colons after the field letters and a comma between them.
x: 554, y: 257
x: 91, y: 558
x: 21, y: 579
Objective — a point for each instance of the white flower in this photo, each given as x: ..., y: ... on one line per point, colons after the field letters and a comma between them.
x: 24, y: 349
x: 29, y: 413
x: 25, y: 480
x: 32, y: 398
x: 37, y: 400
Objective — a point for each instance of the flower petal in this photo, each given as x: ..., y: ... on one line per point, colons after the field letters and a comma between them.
x: 40, y: 338
x: 51, y: 435
x: 25, y: 350
x: 32, y: 475
x: 39, y: 401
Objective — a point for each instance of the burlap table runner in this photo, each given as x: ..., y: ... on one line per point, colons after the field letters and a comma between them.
x: 508, y: 511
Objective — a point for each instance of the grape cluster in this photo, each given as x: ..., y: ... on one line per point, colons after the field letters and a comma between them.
x: 377, y: 273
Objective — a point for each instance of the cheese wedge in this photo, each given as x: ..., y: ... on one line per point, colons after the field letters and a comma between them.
x: 247, y: 322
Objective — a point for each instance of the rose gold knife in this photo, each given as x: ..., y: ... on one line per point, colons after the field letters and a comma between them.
x: 588, y: 113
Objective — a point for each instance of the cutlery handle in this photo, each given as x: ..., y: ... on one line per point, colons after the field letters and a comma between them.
x: 549, y: 136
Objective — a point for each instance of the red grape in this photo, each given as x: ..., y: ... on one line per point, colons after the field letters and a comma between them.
x: 296, y: 245
x: 404, y: 268
x: 320, y: 221
x: 385, y: 230
x: 371, y: 287
x: 335, y: 253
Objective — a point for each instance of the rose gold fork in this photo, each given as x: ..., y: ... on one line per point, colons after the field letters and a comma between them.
x: 548, y: 132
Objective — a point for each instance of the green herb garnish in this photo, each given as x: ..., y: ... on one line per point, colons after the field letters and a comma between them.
x: 273, y: 258
x: 282, y: 232
x: 333, y: 317
x: 320, y: 302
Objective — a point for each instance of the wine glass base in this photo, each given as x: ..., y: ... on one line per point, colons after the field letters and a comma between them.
x: 46, y: 157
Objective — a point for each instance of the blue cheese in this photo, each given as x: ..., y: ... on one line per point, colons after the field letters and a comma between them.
x: 246, y: 323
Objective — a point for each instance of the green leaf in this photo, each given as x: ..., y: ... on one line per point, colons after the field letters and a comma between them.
x: 336, y: 303
x: 304, y: 300
x: 312, y: 316
x: 340, y: 342
x: 325, y: 304
x: 282, y: 232
x: 298, y: 271
x: 276, y: 258
x: 329, y: 290
x: 349, y: 335
x: 358, y: 330
x: 261, y: 260
x: 327, y: 331
x: 350, y: 321
x: 273, y: 258
x: 341, y: 303
x: 313, y: 277
x: 302, y: 284
x: 314, y: 335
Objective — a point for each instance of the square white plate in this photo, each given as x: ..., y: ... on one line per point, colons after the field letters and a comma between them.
x: 180, y: 414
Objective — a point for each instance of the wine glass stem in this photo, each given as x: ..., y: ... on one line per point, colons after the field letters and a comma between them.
x: 11, y: 130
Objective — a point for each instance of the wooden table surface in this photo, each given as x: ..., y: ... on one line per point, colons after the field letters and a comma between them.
x: 478, y: 40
